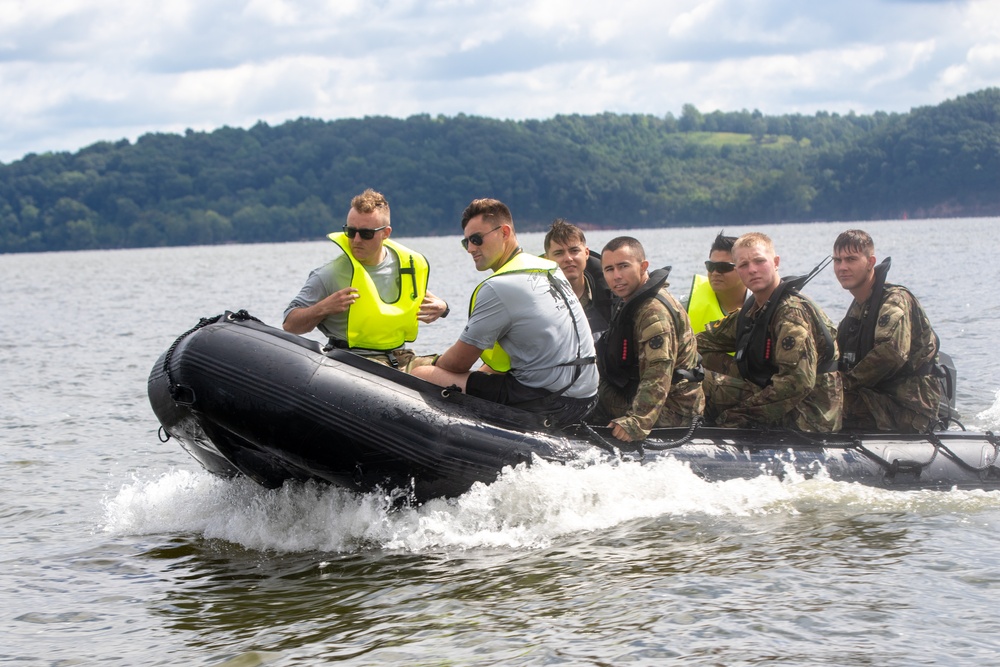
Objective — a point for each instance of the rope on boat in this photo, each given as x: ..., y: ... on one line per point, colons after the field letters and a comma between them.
x: 600, y: 441
x: 241, y: 315
x: 891, y: 468
x: 696, y: 421
x: 916, y: 467
x: 897, y: 466
x: 961, y: 462
x: 818, y: 442
x: 172, y: 386
x: 942, y: 425
x: 939, y: 448
x: 854, y: 443
x: 642, y: 446
x: 178, y: 392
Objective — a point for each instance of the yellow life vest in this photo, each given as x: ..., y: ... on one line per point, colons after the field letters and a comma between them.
x: 496, y: 358
x: 703, y: 305
x: 373, y: 324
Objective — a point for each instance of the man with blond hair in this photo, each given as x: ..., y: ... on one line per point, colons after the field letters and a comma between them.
x: 369, y: 298
x: 784, y: 372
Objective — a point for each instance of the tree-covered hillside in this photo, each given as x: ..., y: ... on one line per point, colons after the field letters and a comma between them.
x: 295, y: 181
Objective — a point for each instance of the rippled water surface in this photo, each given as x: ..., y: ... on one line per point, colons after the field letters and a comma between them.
x: 119, y: 549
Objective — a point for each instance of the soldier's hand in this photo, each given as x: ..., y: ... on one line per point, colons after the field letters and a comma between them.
x: 619, y: 432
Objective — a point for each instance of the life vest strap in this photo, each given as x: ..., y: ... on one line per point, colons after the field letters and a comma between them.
x: 582, y: 361
x: 696, y: 374
x: 411, y: 271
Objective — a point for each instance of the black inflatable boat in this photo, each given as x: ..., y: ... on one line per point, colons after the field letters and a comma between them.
x: 245, y: 398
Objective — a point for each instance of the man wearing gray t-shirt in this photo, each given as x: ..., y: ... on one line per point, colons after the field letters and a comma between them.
x: 370, y: 297
x: 526, y: 324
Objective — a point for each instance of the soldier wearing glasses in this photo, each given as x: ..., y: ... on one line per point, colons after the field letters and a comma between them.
x: 722, y: 292
x: 525, y: 323
x: 370, y: 296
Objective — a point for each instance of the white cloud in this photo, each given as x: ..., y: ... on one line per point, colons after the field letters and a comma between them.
x: 77, y: 71
x: 689, y: 22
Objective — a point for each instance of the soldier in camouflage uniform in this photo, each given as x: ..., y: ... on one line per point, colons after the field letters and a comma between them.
x: 650, y: 373
x: 784, y: 372
x: 888, y: 348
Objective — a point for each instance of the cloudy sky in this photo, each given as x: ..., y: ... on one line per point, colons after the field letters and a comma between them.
x: 73, y: 72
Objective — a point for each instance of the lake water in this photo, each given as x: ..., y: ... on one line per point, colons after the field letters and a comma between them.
x: 120, y: 550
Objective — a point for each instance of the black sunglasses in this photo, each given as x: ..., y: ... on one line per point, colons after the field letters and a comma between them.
x: 477, y: 238
x: 719, y: 267
x: 366, y: 234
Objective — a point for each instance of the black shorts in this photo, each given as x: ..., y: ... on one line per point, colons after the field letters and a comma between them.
x: 505, y: 389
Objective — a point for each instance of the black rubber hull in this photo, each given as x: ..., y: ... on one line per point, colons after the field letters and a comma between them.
x: 245, y: 398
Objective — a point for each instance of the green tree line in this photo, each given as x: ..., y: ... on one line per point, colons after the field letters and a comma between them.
x: 295, y: 180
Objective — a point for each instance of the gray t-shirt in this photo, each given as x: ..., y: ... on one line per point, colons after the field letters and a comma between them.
x: 529, y: 318
x: 336, y: 275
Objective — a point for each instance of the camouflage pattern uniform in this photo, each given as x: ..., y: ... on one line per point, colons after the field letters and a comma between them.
x: 797, y: 397
x: 887, y: 389
x: 587, y: 297
x: 658, y: 402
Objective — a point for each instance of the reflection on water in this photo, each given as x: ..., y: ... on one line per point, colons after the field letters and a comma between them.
x: 683, y: 587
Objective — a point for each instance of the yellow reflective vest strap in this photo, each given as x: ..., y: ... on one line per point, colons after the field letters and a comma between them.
x: 496, y: 358
x: 703, y: 305
x: 372, y: 323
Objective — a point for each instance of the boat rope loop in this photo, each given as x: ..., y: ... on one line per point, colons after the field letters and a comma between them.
x: 180, y: 393
x: 891, y: 468
x: 241, y: 315
x: 948, y: 453
x: 942, y: 424
x: 896, y: 466
x: 642, y: 446
x: 915, y: 468
x: 600, y: 441
x: 696, y: 421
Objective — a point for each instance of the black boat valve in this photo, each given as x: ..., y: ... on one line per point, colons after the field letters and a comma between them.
x: 904, y: 469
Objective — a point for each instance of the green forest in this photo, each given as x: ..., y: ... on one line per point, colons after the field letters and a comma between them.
x: 295, y: 181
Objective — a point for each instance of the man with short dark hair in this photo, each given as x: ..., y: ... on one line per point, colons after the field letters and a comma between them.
x: 524, y: 322
x: 722, y: 292
x: 888, y: 349
x: 648, y: 359
x: 566, y: 245
x: 784, y: 372
x: 369, y: 298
